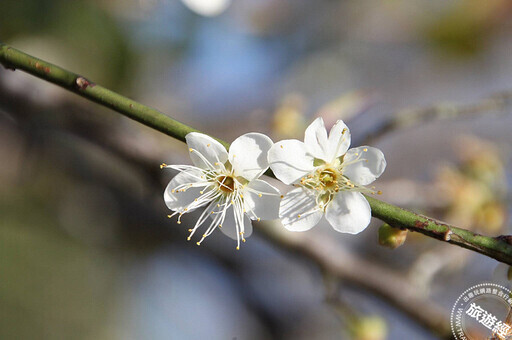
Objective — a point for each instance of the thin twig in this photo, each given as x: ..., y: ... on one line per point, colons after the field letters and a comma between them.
x: 393, y: 287
x: 496, y: 103
x: 432, y: 317
x: 498, y: 248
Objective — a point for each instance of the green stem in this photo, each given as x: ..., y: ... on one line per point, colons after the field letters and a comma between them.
x: 11, y: 58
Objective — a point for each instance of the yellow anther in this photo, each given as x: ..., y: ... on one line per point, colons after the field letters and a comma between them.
x: 208, y: 145
x: 163, y: 165
x: 259, y: 195
x: 344, y: 130
x: 237, y: 248
x: 282, y: 196
x: 218, y: 205
x: 365, y: 149
x: 190, y: 149
x: 232, y: 202
x: 259, y: 219
x: 281, y: 146
x: 220, y: 225
x: 243, y: 240
x: 198, y: 243
x: 169, y: 216
x: 173, y: 191
x: 179, y: 222
x: 185, y: 209
x: 201, y: 192
x: 204, y: 235
x: 241, y: 233
x: 190, y: 230
x: 188, y: 238
x: 211, y: 213
x: 357, y: 154
x: 298, y: 215
x: 241, y: 196
x: 379, y: 192
x: 195, y: 200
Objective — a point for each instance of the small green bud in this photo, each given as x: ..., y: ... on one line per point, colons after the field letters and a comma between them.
x: 391, y: 237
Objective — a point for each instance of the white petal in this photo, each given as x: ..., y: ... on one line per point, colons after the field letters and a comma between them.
x: 177, y: 201
x: 368, y: 168
x: 229, y: 226
x: 290, y: 160
x: 315, y: 139
x: 248, y: 155
x: 349, y: 212
x: 208, y: 147
x: 299, y: 202
x: 339, y: 140
x: 266, y: 206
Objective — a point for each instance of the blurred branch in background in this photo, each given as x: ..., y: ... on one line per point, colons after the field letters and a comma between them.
x: 393, y: 287
x: 499, y: 248
x: 495, y: 104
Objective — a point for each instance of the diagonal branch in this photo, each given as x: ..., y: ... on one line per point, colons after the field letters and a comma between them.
x: 498, y: 248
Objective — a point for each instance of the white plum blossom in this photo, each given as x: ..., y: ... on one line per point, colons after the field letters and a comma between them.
x: 329, y: 178
x: 225, y: 184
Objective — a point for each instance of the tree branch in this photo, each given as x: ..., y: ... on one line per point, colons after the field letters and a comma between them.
x: 384, y: 282
x: 408, y: 118
x: 391, y: 286
x: 499, y: 248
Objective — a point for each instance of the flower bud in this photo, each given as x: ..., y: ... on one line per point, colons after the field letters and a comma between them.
x: 391, y: 237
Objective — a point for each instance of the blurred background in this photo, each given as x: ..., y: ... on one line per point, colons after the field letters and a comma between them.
x: 86, y: 249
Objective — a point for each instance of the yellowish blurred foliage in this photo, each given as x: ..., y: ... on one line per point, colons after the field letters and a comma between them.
x: 476, y: 187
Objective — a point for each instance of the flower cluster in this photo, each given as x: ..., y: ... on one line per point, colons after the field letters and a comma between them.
x: 329, y: 179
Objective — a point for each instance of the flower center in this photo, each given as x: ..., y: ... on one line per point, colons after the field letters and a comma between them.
x: 327, y: 177
x: 226, y: 183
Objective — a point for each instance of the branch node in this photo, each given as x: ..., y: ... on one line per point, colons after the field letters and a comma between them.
x: 448, y: 235
x: 82, y: 83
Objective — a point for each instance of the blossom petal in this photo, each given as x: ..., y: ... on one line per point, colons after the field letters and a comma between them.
x: 366, y: 166
x: 262, y: 200
x: 211, y: 150
x: 315, y: 139
x: 339, y: 140
x: 349, y: 212
x: 299, y: 202
x: 290, y: 160
x: 177, y: 201
x: 248, y: 155
x: 229, y: 225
